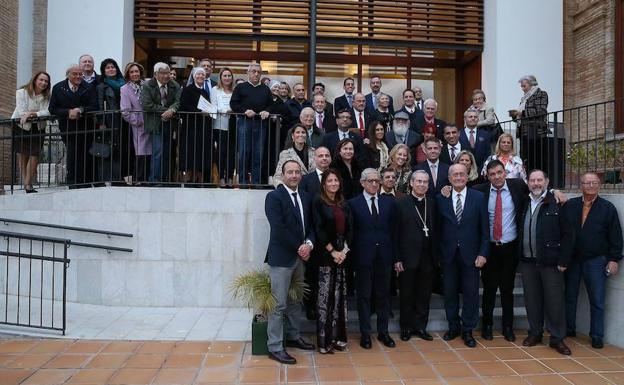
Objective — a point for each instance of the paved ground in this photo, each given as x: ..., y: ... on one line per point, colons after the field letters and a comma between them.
x: 66, y: 361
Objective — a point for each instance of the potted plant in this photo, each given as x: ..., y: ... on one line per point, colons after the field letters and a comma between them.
x: 254, y: 289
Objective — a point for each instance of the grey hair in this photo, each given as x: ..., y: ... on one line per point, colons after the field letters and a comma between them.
x: 70, y: 67
x: 306, y: 110
x: 366, y: 172
x: 470, y: 110
x: 418, y: 172
x: 160, y: 66
x: 431, y: 100
x: 254, y: 65
x: 529, y: 79
x: 379, y: 95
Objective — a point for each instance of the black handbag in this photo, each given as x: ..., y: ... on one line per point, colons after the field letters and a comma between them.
x: 496, y: 130
x: 100, y: 150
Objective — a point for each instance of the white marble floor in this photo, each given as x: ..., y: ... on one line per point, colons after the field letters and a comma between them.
x: 153, y: 323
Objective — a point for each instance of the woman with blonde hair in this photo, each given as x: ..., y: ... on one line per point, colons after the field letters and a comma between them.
x: 31, y: 101
x: 506, y: 154
x: 466, y: 158
x: 399, y: 161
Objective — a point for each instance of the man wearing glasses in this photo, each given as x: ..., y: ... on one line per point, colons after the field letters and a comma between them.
x: 597, y: 251
x: 372, y: 250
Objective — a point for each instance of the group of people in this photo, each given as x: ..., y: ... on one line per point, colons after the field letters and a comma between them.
x: 119, y: 125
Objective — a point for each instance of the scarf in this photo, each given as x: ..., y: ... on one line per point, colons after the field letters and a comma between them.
x: 136, y: 87
x: 526, y: 97
x: 115, y: 83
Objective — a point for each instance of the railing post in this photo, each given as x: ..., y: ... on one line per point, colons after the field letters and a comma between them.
x: 555, y: 156
x: 13, y: 154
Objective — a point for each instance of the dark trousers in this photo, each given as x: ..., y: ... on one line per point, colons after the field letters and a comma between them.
x: 544, y: 298
x: 79, y: 163
x: 595, y: 278
x: 311, y: 278
x: 160, y: 169
x: 459, y: 276
x: 415, y: 294
x: 533, y: 152
x: 365, y: 276
x: 251, y: 138
x: 499, y: 273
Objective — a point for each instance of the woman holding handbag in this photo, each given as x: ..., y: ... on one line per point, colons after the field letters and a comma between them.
x: 31, y: 101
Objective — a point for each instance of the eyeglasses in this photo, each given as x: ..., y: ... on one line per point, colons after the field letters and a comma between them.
x: 590, y: 183
x: 372, y: 181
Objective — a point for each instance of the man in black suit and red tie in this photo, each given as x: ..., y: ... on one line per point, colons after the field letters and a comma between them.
x: 416, y: 243
x: 361, y: 115
x: 345, y: 101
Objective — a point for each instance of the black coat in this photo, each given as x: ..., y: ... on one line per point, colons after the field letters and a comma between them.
x: 439, y: 123
x: 413, y: 117
x: 554, y: 234
x: 325, y: 230
x: 409, y: 235
x: 310, y: 183
x: 351, y: 185
x: 63, y: 99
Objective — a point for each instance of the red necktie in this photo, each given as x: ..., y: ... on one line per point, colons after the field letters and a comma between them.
x: 498, y: 216
x: 362, y: 129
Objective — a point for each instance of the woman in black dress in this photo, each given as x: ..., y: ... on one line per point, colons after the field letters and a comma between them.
x: 333, y: 225
x: 347, y: 166
x: 195, y: 132
x: 375, y: 147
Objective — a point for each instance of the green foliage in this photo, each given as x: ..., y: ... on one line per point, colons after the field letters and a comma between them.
x: 254, y: 289
x: 599, y: 155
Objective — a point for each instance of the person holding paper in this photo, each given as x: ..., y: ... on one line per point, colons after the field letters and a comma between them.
x: 196, y: 130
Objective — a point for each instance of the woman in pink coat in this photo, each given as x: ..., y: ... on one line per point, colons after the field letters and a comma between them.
x: 132, y: 112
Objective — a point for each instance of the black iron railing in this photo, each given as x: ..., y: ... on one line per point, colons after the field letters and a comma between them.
x: 34, y: 283
x: 102, y: 148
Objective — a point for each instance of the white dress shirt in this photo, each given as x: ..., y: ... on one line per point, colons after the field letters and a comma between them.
x: 368, y: 197
x: 290, y: 192
x: 509, y: 214
x: 457, y: 149
x: 535, y: 202
x: 434, y: 167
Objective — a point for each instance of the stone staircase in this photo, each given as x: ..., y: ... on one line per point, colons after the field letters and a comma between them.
x: 437, y: 317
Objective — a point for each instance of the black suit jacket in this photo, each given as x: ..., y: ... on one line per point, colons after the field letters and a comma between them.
x: 287, y: 231
x: 519, y: 195
x: 331, y: 139
x: 325, y: 231
x: 439, y: 123
x: 369, y: 116
x: 445, y: 155
x: 441, y: 181
x: 341, y: 103
x: 370, y: 106
x: 63, y: 99
x: 482, y: 147
x: 310, y: 183
x: 329, y: 122
x: 414, y: 117
x: 408, y: 232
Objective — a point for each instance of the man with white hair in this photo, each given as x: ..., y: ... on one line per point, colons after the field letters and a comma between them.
x: 87, y: 65
x: 296, y: 104
x: 253, y: 102
x: 160, y: 98
x: 401, y: 134
x: 429, y: 118
x: 70, y: 100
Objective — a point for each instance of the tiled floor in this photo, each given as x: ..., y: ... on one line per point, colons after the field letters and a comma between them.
x: 49, y: 361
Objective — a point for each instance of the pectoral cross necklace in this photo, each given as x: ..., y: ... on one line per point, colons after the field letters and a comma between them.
x: 424, y: 221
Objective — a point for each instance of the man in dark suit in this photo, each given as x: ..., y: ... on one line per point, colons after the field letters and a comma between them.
x: 324, y: 121
x: 451, y: 146
x: 89, y: 76
x: 464, y: 249
x: 413, y: 112
x: 475, y: 140
x: 70, y: 101
x: 319, y: 89
x: 437, y: 171
x: 401, y: 134
x: 505, y: 200
x: 416, y: 245
x: 360, y: 115
x: 597, y: 252
x: 345, y: 101
x: 296, y: 104
x: 343, y: 123
x: 388, y: 184
x: 372, y: 251
x: 287, y: 209
x: 371, y: 99
x: 419, y: 102
x: 429, y: 117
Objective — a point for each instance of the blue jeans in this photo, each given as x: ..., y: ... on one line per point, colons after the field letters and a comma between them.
x: 595, y: 278
x: 161, y: 155
x: 251, y: 138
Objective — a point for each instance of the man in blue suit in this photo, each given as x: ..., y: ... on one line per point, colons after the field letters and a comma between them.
x: 288, y: 211
x: 464, y: 248
x: 345, y: 101
x: 438, y: 171
x: 475, y: 140
x: 371, y: 99
x: 372, y: 250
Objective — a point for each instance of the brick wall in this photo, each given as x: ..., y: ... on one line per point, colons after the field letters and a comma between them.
x: 40, y: 25
x: 8, y: 59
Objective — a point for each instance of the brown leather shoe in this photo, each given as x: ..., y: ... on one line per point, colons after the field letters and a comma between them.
x: 532, y: 340
x: 561, y: 348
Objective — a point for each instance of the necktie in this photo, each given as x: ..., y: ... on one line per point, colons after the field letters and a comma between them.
x: 472, y: 138
x: 418, y: 105
x: 434, y: 173
x: 163, y: 95
x: 350, y: 100
x: 294, y: 195
x: 374, y: 101
x: 207, y: 88
x: 498, y: 216
x: 374, y: 211
x: 361, y: 123
x: 452, y: 153
x: 74, y: 88
x: 319, y: 122
x: 459, y: 209
x: 401, y: 139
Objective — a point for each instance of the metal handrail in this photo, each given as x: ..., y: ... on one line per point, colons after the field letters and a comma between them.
x: 64, y: 227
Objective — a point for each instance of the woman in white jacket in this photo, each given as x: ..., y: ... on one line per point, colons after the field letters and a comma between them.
x: 31, y: 101
x: 220, y: 96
